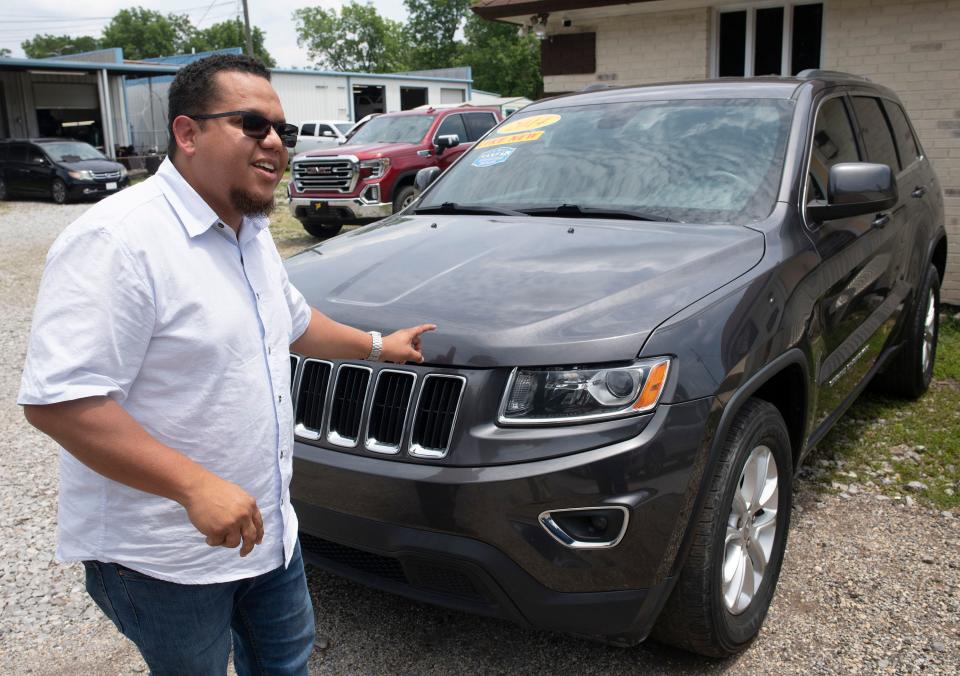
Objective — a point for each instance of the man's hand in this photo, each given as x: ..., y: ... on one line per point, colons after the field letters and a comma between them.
x: 404, y: 345
x: 225, y: 513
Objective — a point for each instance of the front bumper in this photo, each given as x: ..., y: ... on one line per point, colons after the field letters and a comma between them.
x: 339, y: 210
x: 89, y: 189
x: 470, y: 538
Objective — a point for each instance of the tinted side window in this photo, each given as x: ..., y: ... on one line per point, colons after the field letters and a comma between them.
x: 453, y: 125
x: 18, y: 152
x: 906, y: 143
x: 4, y: 152
x: 321, y: 128
x: 833, y: 142
x: 308, y: 129
x: 478, y: 124
x: 876, y: 131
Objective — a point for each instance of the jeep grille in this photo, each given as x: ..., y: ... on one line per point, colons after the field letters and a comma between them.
x: 324, y: 174
x: 398, y: 416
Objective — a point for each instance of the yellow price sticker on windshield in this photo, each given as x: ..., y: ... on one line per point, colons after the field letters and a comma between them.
x: 528, y: 124
x: 513, y: 138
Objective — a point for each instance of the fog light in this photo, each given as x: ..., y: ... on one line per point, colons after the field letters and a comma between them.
x: 587, y: 527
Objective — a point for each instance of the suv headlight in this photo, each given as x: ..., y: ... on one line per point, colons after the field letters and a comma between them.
x: 374, y: 168
x: 558, y: 395
x: 81, y: 174
x: 123, y: 172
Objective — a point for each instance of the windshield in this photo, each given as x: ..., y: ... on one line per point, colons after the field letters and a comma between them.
x: 398, y: 129
x: 72, y: 151
x: 709, y: 161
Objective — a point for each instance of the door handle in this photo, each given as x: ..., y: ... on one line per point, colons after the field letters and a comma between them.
x: 919, y: 191
x: 881, y: 220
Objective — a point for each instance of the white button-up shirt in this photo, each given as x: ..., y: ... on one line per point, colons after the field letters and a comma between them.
x: 150, y: 300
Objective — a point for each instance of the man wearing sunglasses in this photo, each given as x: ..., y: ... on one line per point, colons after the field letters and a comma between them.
x: 159, y: 361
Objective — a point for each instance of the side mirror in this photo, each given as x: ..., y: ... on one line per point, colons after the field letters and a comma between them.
x: 855, y: 188
x: 447, y: 141
x: 40, y: 160
x: 424, y: 178
x: 328, y: 134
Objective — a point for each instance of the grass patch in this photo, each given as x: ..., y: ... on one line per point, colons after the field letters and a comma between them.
x: 886, y: 444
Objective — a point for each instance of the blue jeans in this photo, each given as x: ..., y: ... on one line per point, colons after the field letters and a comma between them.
x: 187, y: 629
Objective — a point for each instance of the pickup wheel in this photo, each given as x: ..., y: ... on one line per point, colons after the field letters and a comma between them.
x: 403, y: 198
x: 911, y: 370
x: 320, y: 229
x: 728, y: 579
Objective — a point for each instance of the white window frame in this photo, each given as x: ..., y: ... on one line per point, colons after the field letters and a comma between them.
x: 750, y: 40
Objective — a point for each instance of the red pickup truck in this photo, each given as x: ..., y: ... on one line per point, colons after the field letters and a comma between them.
x: 372, y: 176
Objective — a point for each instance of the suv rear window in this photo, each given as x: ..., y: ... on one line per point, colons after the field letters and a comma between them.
x: 876, y: 131
x: 906, y: 143
x: 704, y: 161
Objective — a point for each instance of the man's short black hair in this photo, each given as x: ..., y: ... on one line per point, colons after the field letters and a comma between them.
x: 193, y: 89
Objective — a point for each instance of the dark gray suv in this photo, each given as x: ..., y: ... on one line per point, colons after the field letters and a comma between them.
x: 652, y: 303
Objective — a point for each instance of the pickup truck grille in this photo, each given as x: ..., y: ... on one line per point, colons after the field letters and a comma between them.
x: 383, y: 412
x: 324, y: 174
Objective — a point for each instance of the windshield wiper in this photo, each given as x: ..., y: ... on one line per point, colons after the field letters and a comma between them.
x: 476, y: 209
x: 576, y: 211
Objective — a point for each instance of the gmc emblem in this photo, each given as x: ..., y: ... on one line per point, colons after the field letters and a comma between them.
x: 319, y: 171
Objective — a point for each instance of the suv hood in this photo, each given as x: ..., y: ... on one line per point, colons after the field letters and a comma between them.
x: 92, y: 165
x: 363, y: 151
x: 508, y: 291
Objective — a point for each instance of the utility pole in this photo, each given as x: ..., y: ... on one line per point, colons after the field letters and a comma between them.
x: 246, y: 24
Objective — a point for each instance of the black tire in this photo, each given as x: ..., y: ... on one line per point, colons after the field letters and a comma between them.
x: 697, y: 617
x: 403, y: 197
x: 908, y: 375
x: 58, y: 191
x: 3, y: 189
x: 320, y: 229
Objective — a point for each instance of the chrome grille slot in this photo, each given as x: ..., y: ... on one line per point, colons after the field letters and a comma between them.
x: 106, y: 175
x: 388, y: 410
x: 346, y: 410
x: 327, y: 174
x: 314, y: 379
x: 436, y: 415
x: 294, y: 362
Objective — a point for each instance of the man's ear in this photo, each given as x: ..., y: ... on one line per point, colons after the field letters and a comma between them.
x: 185, y: 131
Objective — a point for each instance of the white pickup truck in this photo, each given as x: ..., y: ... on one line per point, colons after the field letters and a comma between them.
x: 316, y: 134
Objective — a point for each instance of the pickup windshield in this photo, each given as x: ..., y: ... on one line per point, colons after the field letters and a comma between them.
x: 399, y: 129
x: 703, y: 161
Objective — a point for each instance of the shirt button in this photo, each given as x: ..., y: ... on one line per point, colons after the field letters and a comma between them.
x: 280, y: 398
x: 269, y: 350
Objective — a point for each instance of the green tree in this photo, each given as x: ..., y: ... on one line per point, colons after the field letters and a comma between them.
x: 43, y: 46
x: 5, y: 52
x: 355, y: 39
x: 502, y: 61
x: 229, y: 34
x: 144, y: 33
x: 432, y: 26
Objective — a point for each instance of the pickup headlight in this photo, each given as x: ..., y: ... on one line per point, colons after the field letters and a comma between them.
x: 81, y: 174
x: 374, y: 168
x: 559, y: 395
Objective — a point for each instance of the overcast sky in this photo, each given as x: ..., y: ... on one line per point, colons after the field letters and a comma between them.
x: 21, y: 21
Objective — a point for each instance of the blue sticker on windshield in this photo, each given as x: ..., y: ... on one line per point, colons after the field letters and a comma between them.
x: 488, y: 158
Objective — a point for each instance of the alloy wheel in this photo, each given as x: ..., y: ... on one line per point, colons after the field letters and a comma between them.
x: 751, y: 530
x: 59, y: 191
x: 929, y: 331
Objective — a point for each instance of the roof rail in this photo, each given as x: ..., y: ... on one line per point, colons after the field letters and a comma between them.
x: 816, y: 73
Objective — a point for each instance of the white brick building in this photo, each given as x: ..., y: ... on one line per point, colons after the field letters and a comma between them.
x: 913, y: 47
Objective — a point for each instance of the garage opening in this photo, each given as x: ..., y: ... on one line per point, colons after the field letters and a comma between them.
x: 368, y: 99
x: 411, y: 97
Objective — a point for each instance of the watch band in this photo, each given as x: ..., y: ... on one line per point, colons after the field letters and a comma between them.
x: 376, y: 348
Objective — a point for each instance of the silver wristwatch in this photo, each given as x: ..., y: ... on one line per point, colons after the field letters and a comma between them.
x: 376, y: 349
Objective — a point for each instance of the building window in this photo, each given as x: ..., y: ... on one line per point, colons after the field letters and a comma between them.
x: 768, y: 40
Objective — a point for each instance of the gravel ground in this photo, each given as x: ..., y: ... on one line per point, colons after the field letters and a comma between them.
x: 869, y: 584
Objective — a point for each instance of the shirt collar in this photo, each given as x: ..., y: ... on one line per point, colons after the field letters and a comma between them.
x: 194, y: 213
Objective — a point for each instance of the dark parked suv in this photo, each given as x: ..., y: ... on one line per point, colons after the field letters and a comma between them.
x: 59, y: 168
x: 652, y: 303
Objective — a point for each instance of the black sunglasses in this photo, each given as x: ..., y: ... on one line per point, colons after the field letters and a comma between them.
x: 257, y: 126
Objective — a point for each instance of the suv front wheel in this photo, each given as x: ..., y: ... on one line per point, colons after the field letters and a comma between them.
x: 58, y: 191
x: 727, y: 581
